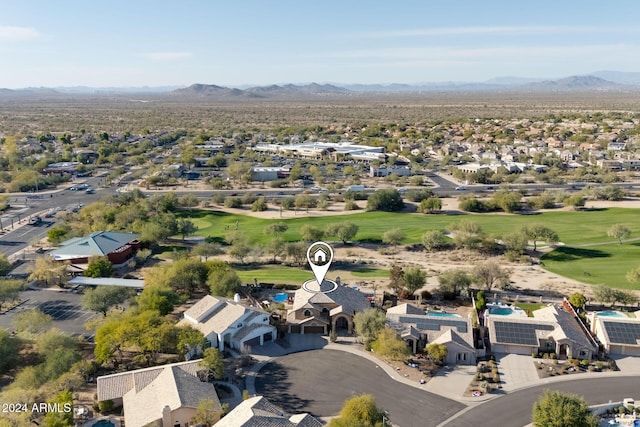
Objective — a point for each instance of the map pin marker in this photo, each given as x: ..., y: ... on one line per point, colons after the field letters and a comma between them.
x: 320, y: 256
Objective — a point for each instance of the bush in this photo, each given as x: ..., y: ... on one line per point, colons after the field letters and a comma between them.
x: 425, y: 295
x: 105, y: 406
x: 350, y: 205
x: 232, y: 202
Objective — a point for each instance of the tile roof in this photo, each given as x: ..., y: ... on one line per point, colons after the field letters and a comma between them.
x: 431, y: 326
x: 351, y: 300
x: 259, y: 412
x: 115, y: 386
x: 405, y: 309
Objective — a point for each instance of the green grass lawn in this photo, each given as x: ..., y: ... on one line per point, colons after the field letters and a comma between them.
x: 272, y: 273
x: 575, y: 227
x: 605, y: 263
x: 529, y: 307
x: 602, y: 264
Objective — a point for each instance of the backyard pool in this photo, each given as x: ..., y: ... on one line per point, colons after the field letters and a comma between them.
x: 610, y: 314
x: 505, y: 310
x: 281, y: 297
x: 103, y: 423
x: 440, y: 314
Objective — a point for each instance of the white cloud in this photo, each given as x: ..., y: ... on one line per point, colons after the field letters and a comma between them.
x: 167, y: 56
x: 13, y: 34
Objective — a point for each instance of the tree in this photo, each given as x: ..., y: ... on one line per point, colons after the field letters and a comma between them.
x: 393, y: 236
x: 576, y: 201
x: 189, y: 201
x: 102, y: 298
x: 467, y: 234
x: 508, y: 201
x: 396, y: 279
x: 8, y: 351
x: 369, y: 322
x: 434, y: 240
x: 222, y: 279
x: 212, y: 363
x: 63, y: 417
x: 296, y: 251
x: 633, y: 275
x: 437, y: 352
x: 310, y: 233
x: 539, y: 232
x: 9, y: 289
x: 99, y: 266
x: 206, y: 249
x: 619, y: 232
x: 577, y: 300
x: 388, y: 200
x: 190, y: 339
x: 207, y: 413
x: 156, y: 298
x: 47, y: 270
x: 414, y: 279
x: 185, y: 227
x: 31, y: 321
x: 359, y: 411
x: 557, y: 409
x: 240, y: 246
x: 515, y: 243
x: 276, y: 228
x: 430, y: 205
x: 388, y: 344
x: 452, y: 281
x: 344, y: 231
x: 5, y: 265
x: 490, y: 274
x: 260, y: 205
x: 55, y: 234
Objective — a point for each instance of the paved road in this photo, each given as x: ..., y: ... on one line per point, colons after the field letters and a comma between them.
x: 514, y: 409
x: 320, y: 381
x: 20, y: 237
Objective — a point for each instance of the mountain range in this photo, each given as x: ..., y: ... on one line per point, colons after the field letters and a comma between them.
x: 600, y: 81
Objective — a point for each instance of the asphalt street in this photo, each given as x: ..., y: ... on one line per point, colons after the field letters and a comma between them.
x: 514, y: 409
x: 319, y: 382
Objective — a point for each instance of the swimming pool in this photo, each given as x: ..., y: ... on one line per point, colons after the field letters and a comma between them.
x: 501, y: 311
x: 281, y: 297
x: 440, y: 314
x: 103, y: 423
x: 610, y: 314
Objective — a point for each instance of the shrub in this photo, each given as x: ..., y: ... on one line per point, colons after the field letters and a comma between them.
x: 232, y: 202
x: 105, y: 406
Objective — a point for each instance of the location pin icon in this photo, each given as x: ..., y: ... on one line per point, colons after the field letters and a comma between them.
x: 320, y: 257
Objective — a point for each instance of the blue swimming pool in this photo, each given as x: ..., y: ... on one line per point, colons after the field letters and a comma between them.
x: 610, y: 314
x: 103, y: 423
x: 501, y: 311
x: 439, y: 314
x: 281, y: 297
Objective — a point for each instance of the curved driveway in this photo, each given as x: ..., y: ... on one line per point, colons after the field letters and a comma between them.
x: 319, y: 382
x: 514, y: 409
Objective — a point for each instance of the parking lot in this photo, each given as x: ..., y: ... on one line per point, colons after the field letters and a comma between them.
x: 65, y: 308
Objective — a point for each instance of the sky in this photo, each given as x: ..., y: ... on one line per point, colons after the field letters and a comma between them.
x: 136, y: 43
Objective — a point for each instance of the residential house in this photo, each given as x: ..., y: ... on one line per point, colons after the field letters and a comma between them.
x: 551, y: 330
x: 259, y: 412
x: 229, y: 324
x: 160, y: 396
x: 318, y: 312
x: 118, y: 247
x: 418, y: 329
x: 619, y: 335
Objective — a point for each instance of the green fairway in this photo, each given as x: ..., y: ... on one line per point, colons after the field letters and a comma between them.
x: 601, y: 264
x: 573, y: 227
x: 605, y: 263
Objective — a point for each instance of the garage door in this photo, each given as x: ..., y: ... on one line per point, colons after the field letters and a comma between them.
x: 252, y: 342
x: 314, y: 329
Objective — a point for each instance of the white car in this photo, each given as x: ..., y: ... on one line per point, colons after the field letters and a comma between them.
x: 461, y: 188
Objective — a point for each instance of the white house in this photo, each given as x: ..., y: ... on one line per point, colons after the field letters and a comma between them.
x: 229, y: 324
x: 619, y: 334
x: 259, y: 412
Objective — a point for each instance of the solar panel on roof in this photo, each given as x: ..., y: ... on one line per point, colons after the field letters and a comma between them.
x: 518, y: 333
x: 623, y: 332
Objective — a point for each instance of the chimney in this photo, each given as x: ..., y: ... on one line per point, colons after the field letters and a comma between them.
x: 166, y: 416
